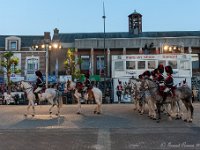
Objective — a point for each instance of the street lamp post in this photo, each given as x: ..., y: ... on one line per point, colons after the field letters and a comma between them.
x: 104, y: 46
x: 47, y: 63
x: 56, y: 45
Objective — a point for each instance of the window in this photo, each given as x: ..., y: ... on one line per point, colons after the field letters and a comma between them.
x: 32, y: 65
x: 85, y: 65
x: 151, y: 64
x: 100, y: 64
x: 185, y: 64
x: 162, y: 62
x: 141, y: 64
x: 119, y: 65
x: 130, y: 64
x: 173, y: 64
x: 13, y: 45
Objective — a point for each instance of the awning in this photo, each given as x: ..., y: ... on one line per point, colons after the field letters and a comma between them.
x: 95, y: 78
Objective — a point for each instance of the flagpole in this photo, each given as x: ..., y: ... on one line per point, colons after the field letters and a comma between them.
x: 104, y: 46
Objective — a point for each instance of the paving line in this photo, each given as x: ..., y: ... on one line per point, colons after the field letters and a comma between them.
x: 103, y: 141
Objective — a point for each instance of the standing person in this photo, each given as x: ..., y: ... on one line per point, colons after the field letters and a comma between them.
x: 39, y: 83
x: 119, y: 91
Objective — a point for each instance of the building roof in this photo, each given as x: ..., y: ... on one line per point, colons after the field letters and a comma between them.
x: 135, y: 13
x: 26, y: 40
x: 70, y: 37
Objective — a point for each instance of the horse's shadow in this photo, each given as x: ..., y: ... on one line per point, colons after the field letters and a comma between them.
x: 39, y: 121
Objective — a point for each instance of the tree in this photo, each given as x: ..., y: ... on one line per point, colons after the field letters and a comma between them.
x: 72, y: 65
x: 9, y: 64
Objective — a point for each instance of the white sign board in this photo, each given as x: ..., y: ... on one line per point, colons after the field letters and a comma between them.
x: 126, y: 66
x: 65, y: 78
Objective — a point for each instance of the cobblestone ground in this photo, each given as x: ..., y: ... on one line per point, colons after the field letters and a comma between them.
x: 119, y: 127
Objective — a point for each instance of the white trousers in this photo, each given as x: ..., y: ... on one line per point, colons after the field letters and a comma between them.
x: 38, y: 89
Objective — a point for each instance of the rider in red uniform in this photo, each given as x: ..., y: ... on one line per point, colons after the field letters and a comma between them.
x: 147, y: 74
x: 119, y: 91
x: 169, y: 81
x: 160, y: 78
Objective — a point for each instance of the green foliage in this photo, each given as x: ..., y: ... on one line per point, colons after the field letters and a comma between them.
x: 9, y: 63
x: 72, y: 65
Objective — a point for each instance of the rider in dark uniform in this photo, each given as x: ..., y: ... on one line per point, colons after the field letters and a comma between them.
x: 87, y: 82
x: 39, y: 83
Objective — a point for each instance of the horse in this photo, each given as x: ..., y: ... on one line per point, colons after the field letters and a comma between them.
x: 183, y: 94
x: 52, y: 95
x: 94, y: 93
x: 142, y: 97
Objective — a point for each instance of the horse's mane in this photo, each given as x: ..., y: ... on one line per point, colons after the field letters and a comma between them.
x: 27, y: 84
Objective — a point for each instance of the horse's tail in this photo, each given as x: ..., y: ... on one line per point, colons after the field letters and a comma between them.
x: 59, y: 99
x: 101, y: 97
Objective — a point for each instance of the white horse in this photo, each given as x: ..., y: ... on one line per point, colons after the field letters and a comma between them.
x: 97, y: 93
x: 52, y: 95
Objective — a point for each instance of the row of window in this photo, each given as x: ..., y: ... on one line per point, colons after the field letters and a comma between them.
x: 151, y: 64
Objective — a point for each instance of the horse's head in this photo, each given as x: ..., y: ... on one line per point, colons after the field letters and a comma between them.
x: 20, y: 84
x: 24, y: 85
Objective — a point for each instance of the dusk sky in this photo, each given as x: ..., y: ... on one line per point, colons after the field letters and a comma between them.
x: 34, y: 17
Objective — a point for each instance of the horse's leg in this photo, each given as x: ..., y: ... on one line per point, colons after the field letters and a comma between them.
x: 27, y: 111
x: 97, y: 108
x: 191, y: 111
x: 79, y: 106
x: 58, y: 107
x: 181, y: 109
x: 50, y: 109
x: 152, y: 109
x: 158, y: 105
x: 33, y: 107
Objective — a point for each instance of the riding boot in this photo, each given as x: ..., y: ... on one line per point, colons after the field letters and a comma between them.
x: 36, y: 98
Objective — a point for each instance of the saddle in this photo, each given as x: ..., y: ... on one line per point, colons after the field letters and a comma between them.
x: 170, y: 93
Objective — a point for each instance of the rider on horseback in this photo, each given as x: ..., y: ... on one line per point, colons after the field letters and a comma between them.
x: 39, y: 83
x: 147, y: 74
x: 169, y: 81
x: 87, y: 82
x: 160, y: 78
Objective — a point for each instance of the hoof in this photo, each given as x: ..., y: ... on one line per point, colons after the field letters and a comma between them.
x: 50, y: 112
x: 158, y: 121
x: 57, y: 114
x: 154, y: 118
x: 25, y: 115
x: 185, y: 120
x: 190, y: 121
x: 98, y: 113
x: 33, y: 115
x: 78, y: 113
x: 95, y: 112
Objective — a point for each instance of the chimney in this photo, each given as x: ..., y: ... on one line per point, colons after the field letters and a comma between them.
x: 55, y: 35
x: 47, y: 37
